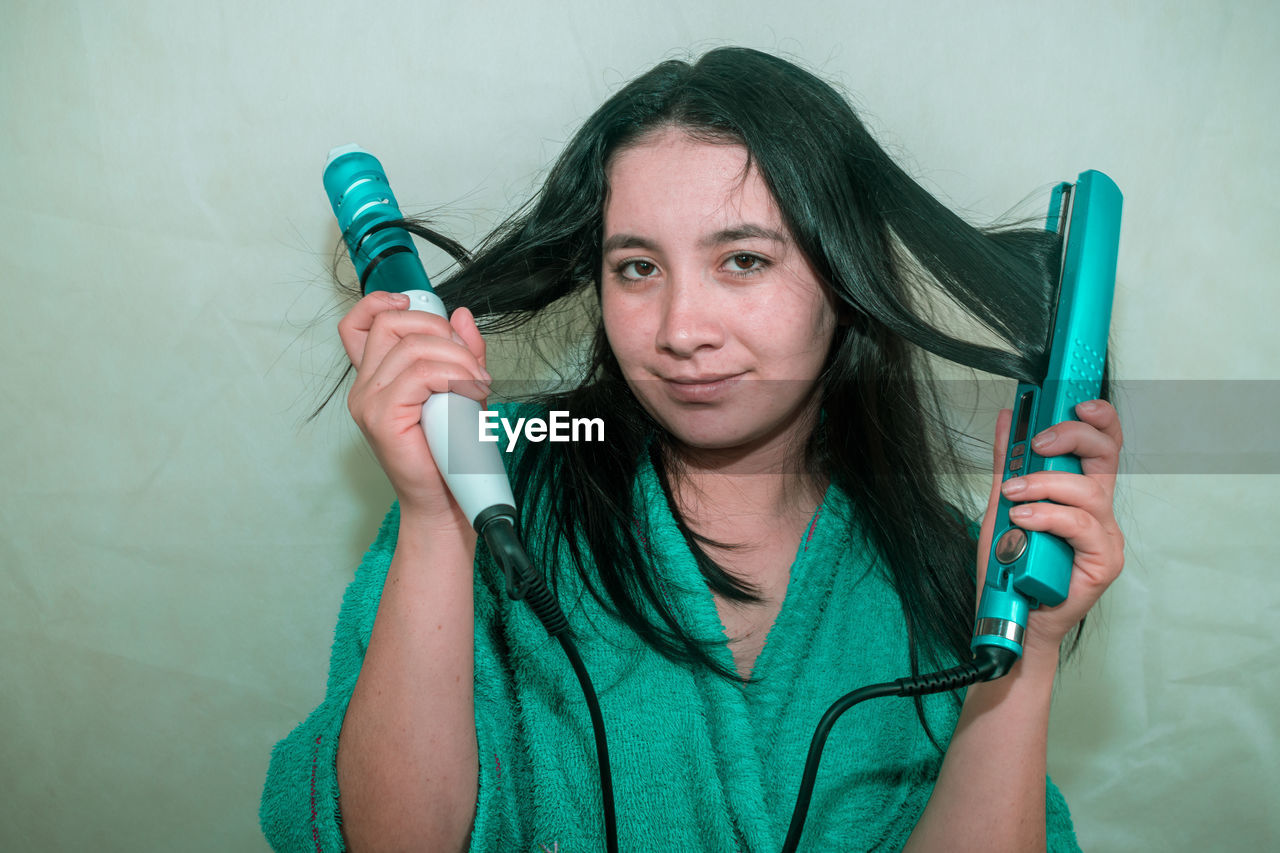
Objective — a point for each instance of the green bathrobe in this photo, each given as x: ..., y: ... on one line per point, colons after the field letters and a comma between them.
x: 698, y: 763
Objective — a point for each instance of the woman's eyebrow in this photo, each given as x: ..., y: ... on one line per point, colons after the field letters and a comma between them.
x: 627, y: 241
x: 746, y: 231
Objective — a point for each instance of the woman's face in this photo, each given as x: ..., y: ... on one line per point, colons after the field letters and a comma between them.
x: 718, y: 321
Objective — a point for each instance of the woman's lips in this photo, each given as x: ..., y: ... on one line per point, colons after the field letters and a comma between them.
x: 700, y: 389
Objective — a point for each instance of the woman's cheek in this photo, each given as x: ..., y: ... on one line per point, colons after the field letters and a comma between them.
x: 628, y: 330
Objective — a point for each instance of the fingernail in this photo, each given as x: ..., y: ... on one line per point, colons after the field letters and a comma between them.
x: 485, y: 374
x: 1020, y: 512
x: 1044, y: 439
x: 1015, y: 486
x: 1088, y: 407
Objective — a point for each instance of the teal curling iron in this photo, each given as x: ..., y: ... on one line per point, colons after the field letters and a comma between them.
x: 1029, y: 569
x: 385, y: 258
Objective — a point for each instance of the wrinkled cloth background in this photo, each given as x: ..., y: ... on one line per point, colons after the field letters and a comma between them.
x: 174, y: 539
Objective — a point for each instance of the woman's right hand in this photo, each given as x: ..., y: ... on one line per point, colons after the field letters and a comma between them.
x: 401, y: 358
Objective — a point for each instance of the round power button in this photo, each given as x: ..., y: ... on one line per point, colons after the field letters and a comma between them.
x: 1011, y: 544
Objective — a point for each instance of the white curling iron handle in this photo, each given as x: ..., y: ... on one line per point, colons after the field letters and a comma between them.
x: 451, y: 423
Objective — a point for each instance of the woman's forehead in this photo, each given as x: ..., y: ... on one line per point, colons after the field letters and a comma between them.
x: 670, y: 181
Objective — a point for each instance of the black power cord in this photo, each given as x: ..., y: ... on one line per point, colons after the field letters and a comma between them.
x: 990, y: 662
x: 523, y: 582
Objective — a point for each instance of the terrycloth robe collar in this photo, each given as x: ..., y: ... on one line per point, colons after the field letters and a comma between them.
x: 759, y: 731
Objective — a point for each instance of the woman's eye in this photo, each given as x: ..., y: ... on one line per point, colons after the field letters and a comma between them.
x: 636, y: 269
x: 743, y: 262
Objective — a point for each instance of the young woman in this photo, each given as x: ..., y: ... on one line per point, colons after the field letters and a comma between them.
x: 763, y: 530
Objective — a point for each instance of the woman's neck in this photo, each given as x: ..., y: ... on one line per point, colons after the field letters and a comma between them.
x: 708, y: 500
x: 763, y: 486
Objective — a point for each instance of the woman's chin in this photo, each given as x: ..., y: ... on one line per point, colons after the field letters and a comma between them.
x: 722, y: 434
x: 737, y: 426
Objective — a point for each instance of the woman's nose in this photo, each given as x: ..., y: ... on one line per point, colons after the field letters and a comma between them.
x: 691, y: 317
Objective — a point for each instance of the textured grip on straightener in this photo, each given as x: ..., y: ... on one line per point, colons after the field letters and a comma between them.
x: 1083, y: 372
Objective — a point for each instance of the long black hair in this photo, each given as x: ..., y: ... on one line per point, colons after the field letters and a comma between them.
x: 887, y: 250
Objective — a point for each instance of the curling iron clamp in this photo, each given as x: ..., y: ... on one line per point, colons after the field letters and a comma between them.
x: 1029, y: 569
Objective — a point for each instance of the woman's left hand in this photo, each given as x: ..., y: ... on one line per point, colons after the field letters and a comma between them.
x: 1081, y: 513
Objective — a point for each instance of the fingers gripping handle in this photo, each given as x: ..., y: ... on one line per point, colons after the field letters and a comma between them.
x: 451, y: 424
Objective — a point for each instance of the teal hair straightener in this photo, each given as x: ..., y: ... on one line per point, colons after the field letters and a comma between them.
x: 1030, y: 569
x: 1026, y: 569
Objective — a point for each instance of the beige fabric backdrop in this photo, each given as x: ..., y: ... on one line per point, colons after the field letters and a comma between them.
x: 174, y: 542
